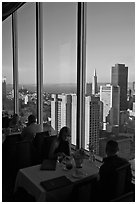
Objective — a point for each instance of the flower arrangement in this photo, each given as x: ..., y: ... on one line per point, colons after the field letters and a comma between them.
x: 90, y: 147
x: 79, y: 155
x: 91, y: 152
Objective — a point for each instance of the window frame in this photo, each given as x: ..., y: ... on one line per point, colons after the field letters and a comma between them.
x: 81, y: 66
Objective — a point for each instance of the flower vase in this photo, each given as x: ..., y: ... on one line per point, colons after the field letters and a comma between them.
x: 78, y: 162
x: 91, y: 156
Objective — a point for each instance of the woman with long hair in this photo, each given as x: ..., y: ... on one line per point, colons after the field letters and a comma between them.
x: 61, y: 146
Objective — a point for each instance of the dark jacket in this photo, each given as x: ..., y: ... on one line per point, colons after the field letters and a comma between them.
x: 107, y: 174
x: 63, y: 147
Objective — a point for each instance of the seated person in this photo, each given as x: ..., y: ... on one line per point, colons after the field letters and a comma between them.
x: 61, y: 145
x: 107, y: 179
x: 29, y: 132
x: 15, y: 123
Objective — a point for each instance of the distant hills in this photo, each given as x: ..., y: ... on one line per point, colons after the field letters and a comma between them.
x: 56, y: 88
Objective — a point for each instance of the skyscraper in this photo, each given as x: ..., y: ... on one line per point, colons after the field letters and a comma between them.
x: 89, y: 89
x: 133, y: 85
x: 54, y: 121
x: 94, y: 84
x: 63, y: 113
x: 119, y: 76
x: 92, y: 121
x: 110, y: 96
x: 4, y: 94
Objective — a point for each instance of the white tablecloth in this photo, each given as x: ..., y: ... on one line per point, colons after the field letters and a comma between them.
x: 30, y: 178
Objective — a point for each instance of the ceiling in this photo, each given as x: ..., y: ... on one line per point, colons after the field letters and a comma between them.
x: 9, y: 7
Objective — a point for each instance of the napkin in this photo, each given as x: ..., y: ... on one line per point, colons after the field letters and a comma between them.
x: 55, y: 183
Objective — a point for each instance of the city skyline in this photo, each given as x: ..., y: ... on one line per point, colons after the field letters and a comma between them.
x: 110, y: 40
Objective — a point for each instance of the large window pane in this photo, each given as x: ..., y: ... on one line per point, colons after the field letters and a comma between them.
x: 110, y: 43
x: 60, y: 69
x: 27, y: 61
x: 7, y: 67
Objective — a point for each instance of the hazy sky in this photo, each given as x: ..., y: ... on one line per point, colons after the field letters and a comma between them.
x: 110, y: 40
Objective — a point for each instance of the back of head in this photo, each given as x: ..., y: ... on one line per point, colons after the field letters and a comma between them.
x: 64, y: 131
x: 111, y: 148
x: 31, y: 119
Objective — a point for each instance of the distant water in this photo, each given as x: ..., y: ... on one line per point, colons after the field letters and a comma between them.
x: 49, y: 88
x: 55, y: 88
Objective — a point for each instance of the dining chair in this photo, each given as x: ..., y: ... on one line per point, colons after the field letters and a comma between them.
x: 5, y: 122
x: 115, y: 184
x: 24, y: 154
x: 44, y: 134
x: 127, y: 197
x: 38, y: 142
x: 13, y: 138
x: 123, y: 181
x: 83, y: 190
x: 9, y: 153
x: 46, y: 146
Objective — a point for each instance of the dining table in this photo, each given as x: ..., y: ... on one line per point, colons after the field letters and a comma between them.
x: 30, y: 178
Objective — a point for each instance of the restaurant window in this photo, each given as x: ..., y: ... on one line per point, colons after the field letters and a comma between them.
x: 105, y: 47
x: 7, y: 68
x: 27, y: 61
x: 59, y: 66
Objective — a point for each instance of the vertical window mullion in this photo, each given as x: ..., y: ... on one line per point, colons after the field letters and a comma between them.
x: 39, y: 61
x: 15, y: 61
x: 81, y: 73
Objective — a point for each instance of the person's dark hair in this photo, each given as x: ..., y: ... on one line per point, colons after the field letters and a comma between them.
x: 111, y: 147
x: 64, y: 129
x: 31, y: 119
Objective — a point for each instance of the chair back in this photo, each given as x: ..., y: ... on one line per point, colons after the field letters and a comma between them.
x: 5, y: 122
x: 83, y: 190
x: 38, y: 142
x: 121, y: 179
x: 23, y: 154
x: 9, y: 152
x: 13, y: 138
x: 44, y: 134
x: 46, y: 146
x: 114, y: 183
x: 127, y: 197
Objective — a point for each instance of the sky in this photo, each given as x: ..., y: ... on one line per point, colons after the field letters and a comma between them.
x: 110, y: 40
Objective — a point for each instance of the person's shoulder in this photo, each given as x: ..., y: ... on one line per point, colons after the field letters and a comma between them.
x: 35, y: 125
x: 24, y: 131
x: 123, y: 160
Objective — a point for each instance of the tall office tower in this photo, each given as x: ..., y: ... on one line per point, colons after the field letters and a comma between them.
x: 119, y: 76
x: 94, y: 123
x: 54, y: 111
x: 73, y: 118
x: 63, y: 113
x: 101, y: 116
x: 62, y: 109
x: 110, y: 96
x: 92, y: 115
x: 89, y: 89
x: 67, y: 107
x: 94, y: 84
x: 4, y: 92
x: 133, y: 86
x: 87, y: 121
